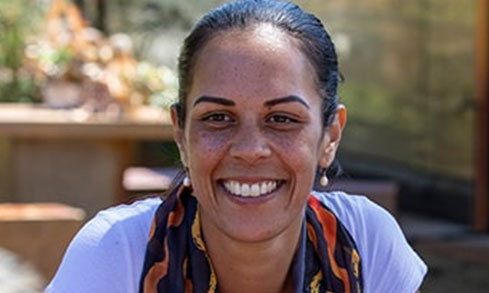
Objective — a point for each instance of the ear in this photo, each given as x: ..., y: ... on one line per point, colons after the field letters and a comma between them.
x: 332, y: 137
x: 178, y: 135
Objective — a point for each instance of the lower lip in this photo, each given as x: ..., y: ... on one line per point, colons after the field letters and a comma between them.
x: 250, y: 199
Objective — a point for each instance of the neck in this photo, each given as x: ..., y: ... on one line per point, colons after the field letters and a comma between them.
x: 252, y: 266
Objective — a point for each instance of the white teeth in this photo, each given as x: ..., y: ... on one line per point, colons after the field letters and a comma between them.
x: 250, y: 190
x: 271, y: 185
x: 255, y: 190
x: 245, y: 189
x: 263, y: 188
x: 228, y: 185
x: 235, y: 188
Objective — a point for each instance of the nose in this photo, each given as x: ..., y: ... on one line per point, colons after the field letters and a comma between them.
x: 249, y: 145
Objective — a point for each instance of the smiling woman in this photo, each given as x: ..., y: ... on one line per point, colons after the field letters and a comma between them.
x: 257, y: 121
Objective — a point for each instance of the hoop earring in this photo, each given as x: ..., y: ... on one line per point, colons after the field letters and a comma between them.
x: 324, y: 179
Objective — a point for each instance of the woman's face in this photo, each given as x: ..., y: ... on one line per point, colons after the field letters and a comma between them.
x: 253, y: 134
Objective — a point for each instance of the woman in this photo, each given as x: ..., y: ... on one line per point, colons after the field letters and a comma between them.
x: 257, y: 121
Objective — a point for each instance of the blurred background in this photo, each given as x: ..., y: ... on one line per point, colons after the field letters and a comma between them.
x: 85, y: 86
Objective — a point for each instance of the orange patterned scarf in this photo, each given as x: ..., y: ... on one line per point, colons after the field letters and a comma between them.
x: 176, y: 260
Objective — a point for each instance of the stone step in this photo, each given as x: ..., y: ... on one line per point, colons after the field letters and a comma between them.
x: 39, y: 233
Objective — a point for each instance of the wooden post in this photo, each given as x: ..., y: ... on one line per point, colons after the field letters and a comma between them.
x: 481, y: 202
x: 100, y: 20
x: 81, y: 5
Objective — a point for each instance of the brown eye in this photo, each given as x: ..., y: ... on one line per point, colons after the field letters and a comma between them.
x: 281, y: 119
x: 217, y: 117
x: 218, y: 120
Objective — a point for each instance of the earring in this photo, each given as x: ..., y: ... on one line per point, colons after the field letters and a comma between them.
x: 324, y: 179
x: 186, y: 181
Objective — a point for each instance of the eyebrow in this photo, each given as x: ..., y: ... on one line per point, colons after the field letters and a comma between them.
x: 216, y: 100
x: 287, y: 99
x: 269, y: 103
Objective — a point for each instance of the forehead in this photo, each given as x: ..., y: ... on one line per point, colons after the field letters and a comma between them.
x: 258, y: 61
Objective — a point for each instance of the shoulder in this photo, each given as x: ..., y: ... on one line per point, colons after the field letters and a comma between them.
x: 380, y: 242
x: 135, y: 216
x: 356, y: 212
x: 122, y: 222
x: 114, y: 240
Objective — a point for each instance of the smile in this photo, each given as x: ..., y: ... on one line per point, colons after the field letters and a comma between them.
x: 251, y: 189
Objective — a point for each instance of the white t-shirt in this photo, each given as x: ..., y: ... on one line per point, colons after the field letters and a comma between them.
x: 107, y: 254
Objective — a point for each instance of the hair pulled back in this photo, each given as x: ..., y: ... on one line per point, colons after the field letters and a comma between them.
x: 310, y: 34
x: 313, y: 40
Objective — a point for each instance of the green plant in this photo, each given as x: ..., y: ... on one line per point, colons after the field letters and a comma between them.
x: 18, y: 19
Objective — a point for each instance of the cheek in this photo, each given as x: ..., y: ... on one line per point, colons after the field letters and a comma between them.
x: 299, y: 149
x: 204, y: 148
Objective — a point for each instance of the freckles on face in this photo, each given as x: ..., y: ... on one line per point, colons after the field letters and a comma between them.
x: 208, y: 142
x: 300, y: 152
x: 205, y: 149
x: 252, y: 133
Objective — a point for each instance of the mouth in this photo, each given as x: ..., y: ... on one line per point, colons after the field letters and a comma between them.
x: 256, y: 189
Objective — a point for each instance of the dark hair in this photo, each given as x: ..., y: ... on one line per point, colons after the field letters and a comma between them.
x: 307, y: 29
x: 312, y: 37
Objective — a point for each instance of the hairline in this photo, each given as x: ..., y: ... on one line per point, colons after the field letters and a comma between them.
x: 249, y: 27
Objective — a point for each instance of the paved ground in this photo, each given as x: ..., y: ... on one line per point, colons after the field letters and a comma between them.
x: 17, y: 276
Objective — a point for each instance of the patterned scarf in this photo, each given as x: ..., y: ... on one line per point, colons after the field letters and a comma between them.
x: 176, y: 260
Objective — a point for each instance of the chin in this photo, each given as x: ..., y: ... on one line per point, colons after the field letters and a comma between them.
x: 256, y: 230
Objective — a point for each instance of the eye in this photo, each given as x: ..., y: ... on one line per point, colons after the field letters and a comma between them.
x: 217, y: 117
x: 218, y: 120
x: 281, y: 119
